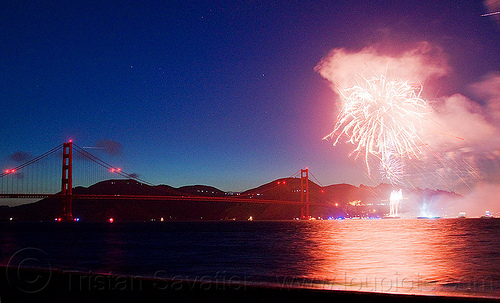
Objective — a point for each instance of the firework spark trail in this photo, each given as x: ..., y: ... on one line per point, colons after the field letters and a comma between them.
x: 490, y: 14
x: 382, y: 119
x: 391, y: 168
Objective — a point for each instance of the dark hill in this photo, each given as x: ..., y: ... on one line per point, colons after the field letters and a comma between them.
x: 334, y: 200
x: 202, y: 190
x: 287, y: 189
x: 127, y: 187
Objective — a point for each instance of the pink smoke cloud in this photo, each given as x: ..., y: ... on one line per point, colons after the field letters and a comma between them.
x: 420, y: 63
x: 457, y: 122
x: 462, y: 148
x: 489, y: 89
x: 483, y: 197
x: 465, y: 135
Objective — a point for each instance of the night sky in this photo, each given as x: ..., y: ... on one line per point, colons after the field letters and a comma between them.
x: 221, y: 93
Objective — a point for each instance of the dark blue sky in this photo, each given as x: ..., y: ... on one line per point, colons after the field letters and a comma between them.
x: 222, y: 93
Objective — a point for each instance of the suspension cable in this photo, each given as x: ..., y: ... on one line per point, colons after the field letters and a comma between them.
x: 315, y: 179
x: 33, y: 160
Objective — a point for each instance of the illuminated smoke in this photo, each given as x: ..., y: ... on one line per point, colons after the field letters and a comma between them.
x: 460, y: 133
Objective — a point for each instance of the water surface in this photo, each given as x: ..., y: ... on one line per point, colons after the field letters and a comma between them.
x: 443, y: 256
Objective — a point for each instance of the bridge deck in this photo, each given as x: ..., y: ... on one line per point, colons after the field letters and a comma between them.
x: 156, y: 198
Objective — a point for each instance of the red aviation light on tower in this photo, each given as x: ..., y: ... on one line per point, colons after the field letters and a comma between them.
x: 115, y: 170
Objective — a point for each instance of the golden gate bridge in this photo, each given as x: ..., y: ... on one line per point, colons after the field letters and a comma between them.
x: 37, y: 179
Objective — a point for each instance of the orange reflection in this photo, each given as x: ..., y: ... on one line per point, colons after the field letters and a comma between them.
x: 402, y: 256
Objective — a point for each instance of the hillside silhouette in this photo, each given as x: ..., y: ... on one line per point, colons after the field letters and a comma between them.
x: 338, y: 200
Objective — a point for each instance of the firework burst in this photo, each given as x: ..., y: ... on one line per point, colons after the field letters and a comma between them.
x: 382, y: 118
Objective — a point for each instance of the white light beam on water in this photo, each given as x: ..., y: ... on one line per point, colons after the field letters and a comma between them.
x: 396, y: 197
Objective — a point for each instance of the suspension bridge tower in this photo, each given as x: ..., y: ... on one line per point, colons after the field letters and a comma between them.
x: 304, y: 193
x: 67, y: 182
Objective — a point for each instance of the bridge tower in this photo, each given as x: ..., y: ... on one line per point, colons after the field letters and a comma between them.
x: 67, y: 182
x: 304, y: 193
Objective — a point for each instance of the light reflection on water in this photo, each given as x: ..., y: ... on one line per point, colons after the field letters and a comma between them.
x: 444, y: 256
x: 401, y: 256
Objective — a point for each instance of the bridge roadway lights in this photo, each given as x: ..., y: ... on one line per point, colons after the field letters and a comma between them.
x: 67, y: 186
